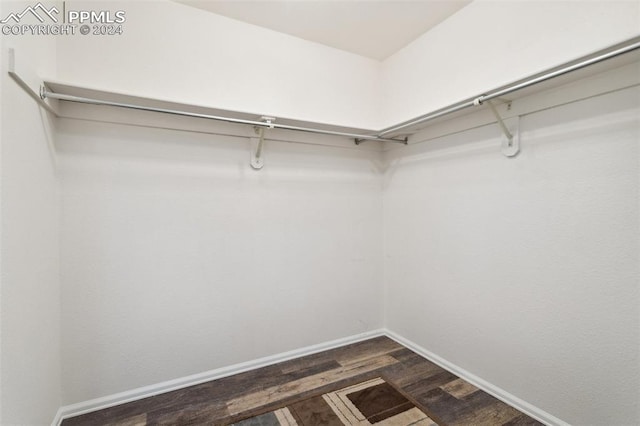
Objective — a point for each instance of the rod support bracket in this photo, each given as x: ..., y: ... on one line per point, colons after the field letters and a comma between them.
x: 511, y: 146
x: 257, y: 160
x: 511, y: 143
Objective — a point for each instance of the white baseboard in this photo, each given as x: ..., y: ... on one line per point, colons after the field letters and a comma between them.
x: 183, y: 382
x: 58, y: 417
x: 501, y: 394
x: 171, y: 385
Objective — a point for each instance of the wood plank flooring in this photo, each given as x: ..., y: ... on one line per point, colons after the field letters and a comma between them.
x: 444, y: 397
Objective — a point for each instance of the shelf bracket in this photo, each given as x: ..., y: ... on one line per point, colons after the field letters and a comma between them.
x: 11, y: 70
x: 257, y: 159
x: 511, y: 145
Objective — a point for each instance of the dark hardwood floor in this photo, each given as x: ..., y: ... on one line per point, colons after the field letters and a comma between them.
x: 444, y: 397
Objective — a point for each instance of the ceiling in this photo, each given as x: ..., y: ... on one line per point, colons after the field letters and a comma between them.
x: 374, y: 29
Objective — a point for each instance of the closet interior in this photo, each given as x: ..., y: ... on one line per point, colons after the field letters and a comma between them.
x: 200, y: 197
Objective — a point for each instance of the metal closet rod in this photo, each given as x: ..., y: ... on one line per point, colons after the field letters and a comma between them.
x: 612, y: 52
x: 609, y: 53
x: 44, y: 94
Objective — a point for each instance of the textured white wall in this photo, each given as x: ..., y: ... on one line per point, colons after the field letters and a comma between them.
x: 525, y: 271
x: 29, y: 280
x: 175, y: 52
x: 491, y: 43
x: 178, y: 258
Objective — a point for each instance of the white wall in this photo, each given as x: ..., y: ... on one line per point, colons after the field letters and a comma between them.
x: 175, y: 52
x: 178, y: 258
x: 30, y: 292
x: 525, y: 271
x: 490, y: 43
